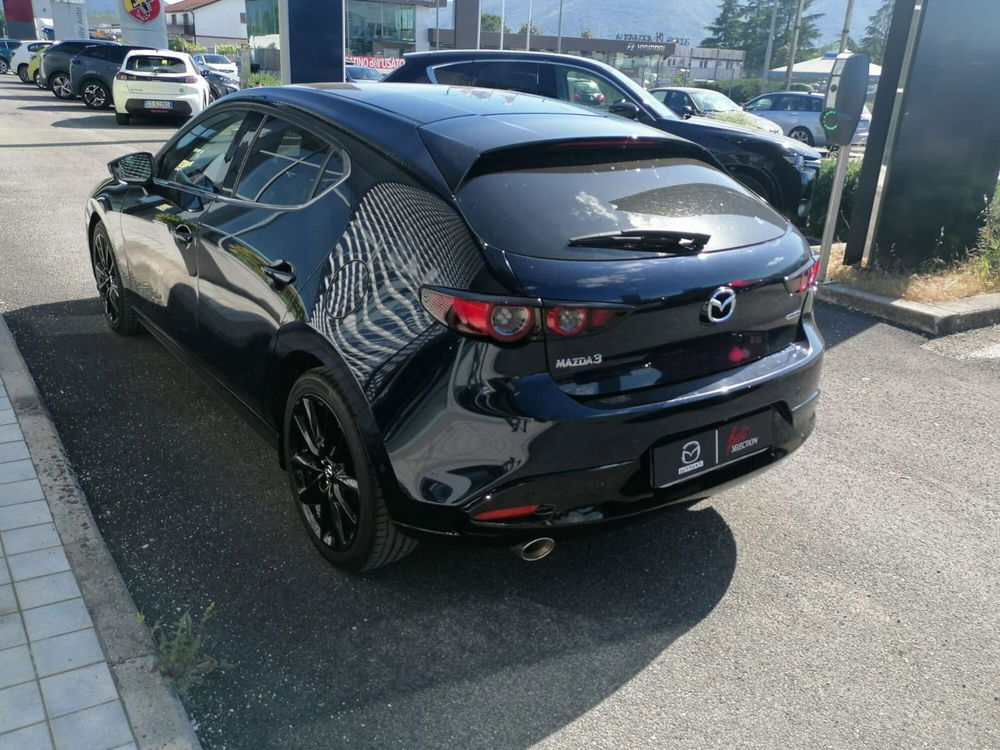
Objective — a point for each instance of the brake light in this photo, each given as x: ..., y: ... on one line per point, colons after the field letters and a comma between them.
x: 506, y: 513
x: 190, y: 79
x: 508, y: 320
x: 804, y: 281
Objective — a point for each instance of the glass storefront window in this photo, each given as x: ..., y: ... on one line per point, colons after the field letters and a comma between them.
x: 375, y: 28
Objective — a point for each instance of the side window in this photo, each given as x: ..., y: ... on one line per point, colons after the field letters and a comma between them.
x: 676, y: 101
x: 203, y: 155
x: 506, y: 76
x: 581, y: 87
x: 784, y: 104
x: 95, y: 53
x: 763, y: 104
x: 287, y: 166
x: 815, y: 104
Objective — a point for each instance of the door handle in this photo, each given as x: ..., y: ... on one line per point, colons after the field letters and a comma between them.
x: 182, y: 234
x: 281, y: 274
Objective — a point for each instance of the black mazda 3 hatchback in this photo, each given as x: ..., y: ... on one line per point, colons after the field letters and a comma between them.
x: 463, y: 312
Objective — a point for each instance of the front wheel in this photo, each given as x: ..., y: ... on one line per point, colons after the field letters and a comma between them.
x: 802, y: 135
x: 333, y: 483
x: 95, y: 95
x: 22, y: 73
x: 118, y: 313
x: 61, y: 87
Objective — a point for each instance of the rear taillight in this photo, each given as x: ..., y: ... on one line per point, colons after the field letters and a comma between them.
x: 190, y: 79
x: 804, y: 280
x: 507, y: 320
x: 125, y: 77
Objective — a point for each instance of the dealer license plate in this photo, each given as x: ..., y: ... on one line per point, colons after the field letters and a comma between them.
x: 712, y: 449
x: 155, y: 104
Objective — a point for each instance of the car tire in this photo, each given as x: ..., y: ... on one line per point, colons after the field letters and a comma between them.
x: 4, y: 67
x: 118, y: 313
x: 61, y: 86
x: 802, y: 135
x: 122, y: 119
x: 754, y: 185
x: 38, y: 80
x: 328, y: 462
x: 95, y: 95
x: 22, y: 73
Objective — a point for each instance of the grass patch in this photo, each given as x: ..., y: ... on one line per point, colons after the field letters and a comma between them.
x: 181, y: 660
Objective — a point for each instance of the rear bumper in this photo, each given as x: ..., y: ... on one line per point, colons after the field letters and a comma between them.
x: 135, y: 104
x: 588, y: 464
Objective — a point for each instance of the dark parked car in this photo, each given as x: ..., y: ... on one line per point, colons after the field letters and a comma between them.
x: 7, y: 48
x: 779, y: 169
x: 466, y: 313
x: 92, y: 73
x: 56, y: 63
x: 220, y: 84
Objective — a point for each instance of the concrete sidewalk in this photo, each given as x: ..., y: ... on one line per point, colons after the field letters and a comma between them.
x: 65, y: 683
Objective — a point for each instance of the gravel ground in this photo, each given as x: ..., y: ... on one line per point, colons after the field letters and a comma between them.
x: 849, y: 598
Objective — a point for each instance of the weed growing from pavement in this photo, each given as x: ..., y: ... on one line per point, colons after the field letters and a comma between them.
x: 179, y: 650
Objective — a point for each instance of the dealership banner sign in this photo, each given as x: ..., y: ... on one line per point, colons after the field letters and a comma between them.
x: 143, y: 11
x: 144, y: 23
x: 379, y: 63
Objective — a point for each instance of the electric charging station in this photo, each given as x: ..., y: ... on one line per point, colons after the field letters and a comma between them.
x: 845, y: 101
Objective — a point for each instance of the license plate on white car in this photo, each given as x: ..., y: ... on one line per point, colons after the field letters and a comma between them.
x: 156, y: 104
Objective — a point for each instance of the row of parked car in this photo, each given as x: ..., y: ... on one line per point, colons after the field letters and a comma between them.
x: 136, y: 81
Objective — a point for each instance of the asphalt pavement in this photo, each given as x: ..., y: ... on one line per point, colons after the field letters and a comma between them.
x: 849, y: 598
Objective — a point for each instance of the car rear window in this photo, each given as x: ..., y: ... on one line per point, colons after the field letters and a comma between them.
x: 156, y: 64
x: 589, y: 191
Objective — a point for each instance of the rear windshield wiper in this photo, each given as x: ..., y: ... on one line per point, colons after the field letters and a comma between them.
x: 645, y: 239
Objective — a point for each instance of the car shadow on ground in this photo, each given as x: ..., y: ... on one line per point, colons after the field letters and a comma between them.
x: 105, y: 120
x: 454, y: 646
x: 838, y: 324
x: 68, y: 106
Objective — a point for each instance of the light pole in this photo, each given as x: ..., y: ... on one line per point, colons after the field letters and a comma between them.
x: 559, y: 32
x: 527, y: 39
x: 795, y: 44
x: 770, y: 44
x: 503, y: 16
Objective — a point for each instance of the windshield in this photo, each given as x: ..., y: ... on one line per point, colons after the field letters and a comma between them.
x: 217, y: 59
x: 713, y: 101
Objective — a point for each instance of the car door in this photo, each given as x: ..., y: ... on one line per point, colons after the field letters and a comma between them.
x: 774, y: 108
x: 162, y: 222
x: 261, y: 244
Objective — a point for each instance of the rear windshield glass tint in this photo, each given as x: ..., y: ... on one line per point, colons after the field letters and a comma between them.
x: 156, y: 64
x: 217, y: 59
x: 537, y: 210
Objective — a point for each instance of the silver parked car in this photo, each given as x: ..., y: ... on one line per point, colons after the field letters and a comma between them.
x: 798, y: 115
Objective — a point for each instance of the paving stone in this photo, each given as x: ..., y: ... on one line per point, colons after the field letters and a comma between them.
x: 7, y: 417
x: 24, y: 514
x: 34, y: 738
x: 41, y: 562
x: 21, y: 492
x: 10, y: 432
x: 129, y: 746
x: 4, y: 573
x: 65, y: 652
x: 77, y: 689
x: 30, y: 538
x: 11, y: 631
x: 37, y: 592
x: 15, y: 666
x: 4, y: 402
x: 8, y: 603
x: 95, y: 728
x: 56, y: 619
x: 20, y: 706
x: 16, y: 471
x: 13, y: 451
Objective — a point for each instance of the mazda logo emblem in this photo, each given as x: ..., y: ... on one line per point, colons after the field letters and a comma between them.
x: 720, y: 305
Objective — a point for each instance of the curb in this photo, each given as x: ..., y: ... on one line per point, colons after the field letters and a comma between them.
x: 158, y: 719
x: 936, y: 319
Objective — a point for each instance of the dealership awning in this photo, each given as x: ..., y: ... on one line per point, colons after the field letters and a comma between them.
x: 820, y: 67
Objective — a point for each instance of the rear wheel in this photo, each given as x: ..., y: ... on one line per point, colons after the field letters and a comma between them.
x: 95, y: 95
x: 61, y: 87
x: 332, y: 480
x: 803, y: 135
x: 22, y: 73
x: 118, y: 313
x: 4, y: 67
x: 38, y: 80
x: 122, y: 119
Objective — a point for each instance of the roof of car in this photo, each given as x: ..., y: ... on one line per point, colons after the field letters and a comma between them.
x: 456, y: 123
x: 796, y: 93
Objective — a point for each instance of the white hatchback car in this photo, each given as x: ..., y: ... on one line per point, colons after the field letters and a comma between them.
x: 218, y: 63
x: 156, y: 83
x: 23, y: 54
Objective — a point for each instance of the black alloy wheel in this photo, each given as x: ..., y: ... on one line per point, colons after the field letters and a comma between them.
x: 331, y: 478
x: 60, y: 85
x: 95, y: 95
x: 117, y: 312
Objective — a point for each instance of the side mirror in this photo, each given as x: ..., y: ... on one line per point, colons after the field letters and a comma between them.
x: 687, y: 111
x: 625, y: 109
x: 133, y: 169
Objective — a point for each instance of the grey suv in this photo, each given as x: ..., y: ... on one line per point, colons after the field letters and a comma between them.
x: 92, y: 73
x: 54, y: 69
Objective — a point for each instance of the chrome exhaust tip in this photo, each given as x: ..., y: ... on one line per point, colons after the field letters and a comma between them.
x: 534, y: 550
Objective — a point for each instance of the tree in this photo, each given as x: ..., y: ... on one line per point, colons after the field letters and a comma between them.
x: 877, y: 31
x: 535, y: 29
x: 727, y: 29
x: 180, y: 44
x: 586, y: 34
x: 491, y: 22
